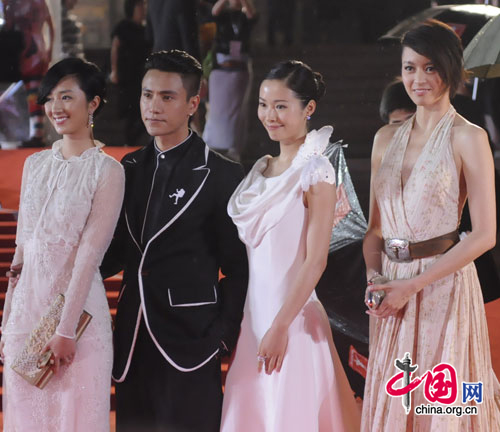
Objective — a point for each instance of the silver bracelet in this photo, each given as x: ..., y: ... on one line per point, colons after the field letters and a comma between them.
x: 374, y: 276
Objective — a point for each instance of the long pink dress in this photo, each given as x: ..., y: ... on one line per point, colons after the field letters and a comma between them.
x: 68, y: 211
x: 311, y: 392
x: 445, y: 322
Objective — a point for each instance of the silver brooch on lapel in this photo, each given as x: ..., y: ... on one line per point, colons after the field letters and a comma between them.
x: 179, y: 193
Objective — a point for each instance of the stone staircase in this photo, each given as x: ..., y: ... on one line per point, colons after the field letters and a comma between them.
x: 8, y: 226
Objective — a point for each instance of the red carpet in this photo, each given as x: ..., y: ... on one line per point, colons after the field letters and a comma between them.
x: 11, y: 170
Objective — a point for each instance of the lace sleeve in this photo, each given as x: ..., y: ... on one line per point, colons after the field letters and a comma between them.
x: 19, y: 253
x: 6, y: 306
x: 95, y: 239
x: 317, y: 169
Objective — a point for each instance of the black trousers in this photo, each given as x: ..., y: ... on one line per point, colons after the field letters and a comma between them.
x: 156, y: 397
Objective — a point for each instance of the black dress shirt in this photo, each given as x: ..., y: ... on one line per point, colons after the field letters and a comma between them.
x: 166, y: 162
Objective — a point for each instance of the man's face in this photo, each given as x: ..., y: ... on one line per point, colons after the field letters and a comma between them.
x: 165, y: 108
x: 400, y: 115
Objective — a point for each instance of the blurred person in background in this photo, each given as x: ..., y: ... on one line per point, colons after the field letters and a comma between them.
x: 395, y: 104
x: 71, y: 31
x: 129, y: 50
x: 280, y: 17
x: 172, y: 24
x: 33, y: 19
x: 230, y: 80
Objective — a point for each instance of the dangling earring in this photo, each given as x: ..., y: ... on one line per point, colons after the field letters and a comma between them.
x: 308, y: 117
x: 91, y: 120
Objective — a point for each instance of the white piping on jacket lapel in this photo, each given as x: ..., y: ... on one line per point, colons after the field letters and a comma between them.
x: 139, y: 271
x: 130, y: 232
x: 192, y: 304
x: 134, y: 340
x: 149, y: 199
x: 132, y: 162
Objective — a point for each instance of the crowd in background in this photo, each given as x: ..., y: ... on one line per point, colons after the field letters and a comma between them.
x: 217, y: 33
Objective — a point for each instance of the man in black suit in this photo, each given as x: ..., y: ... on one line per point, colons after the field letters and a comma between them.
x: 175, y: 318
x: 172, y: 24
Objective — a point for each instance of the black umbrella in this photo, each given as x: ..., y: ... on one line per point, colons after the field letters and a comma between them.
x: 466, y: 20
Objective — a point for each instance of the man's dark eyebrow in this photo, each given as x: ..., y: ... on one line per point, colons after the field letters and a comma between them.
x: 162, y: 92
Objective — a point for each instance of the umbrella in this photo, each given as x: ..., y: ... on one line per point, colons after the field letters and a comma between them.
x: 466, y: 20
x: 482, y: 55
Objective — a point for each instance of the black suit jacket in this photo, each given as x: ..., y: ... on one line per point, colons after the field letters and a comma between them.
x: 172, y: 24
x: 172, y: 281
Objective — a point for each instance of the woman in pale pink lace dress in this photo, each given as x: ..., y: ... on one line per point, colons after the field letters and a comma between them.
x: 286, y: 375
x: 422, y: 172
x: 71, y: 197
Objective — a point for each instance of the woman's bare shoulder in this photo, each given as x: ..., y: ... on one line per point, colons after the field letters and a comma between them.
x: 464, y: 131
x: 468, y: 139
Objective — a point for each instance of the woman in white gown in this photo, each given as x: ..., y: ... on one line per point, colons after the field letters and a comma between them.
x: 286, y: 375
x: 71, y: 197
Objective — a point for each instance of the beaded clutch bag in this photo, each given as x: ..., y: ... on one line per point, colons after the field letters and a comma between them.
x: 30, y: 363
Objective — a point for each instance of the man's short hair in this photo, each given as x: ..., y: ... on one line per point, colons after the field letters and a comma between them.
x: 395, y: 97
x: 180, y: 62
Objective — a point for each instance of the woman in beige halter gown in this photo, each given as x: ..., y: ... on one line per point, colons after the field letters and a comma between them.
x: 422, y: 173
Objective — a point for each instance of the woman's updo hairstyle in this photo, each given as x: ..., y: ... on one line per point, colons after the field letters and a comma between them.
x: 300, y: 78
x: 439, y: 43
x: 90, y: 79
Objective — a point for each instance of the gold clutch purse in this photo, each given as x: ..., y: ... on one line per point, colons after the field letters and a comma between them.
x: 30, y: 363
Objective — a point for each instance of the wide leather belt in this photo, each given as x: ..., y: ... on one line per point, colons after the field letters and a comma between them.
x: 401, y: 250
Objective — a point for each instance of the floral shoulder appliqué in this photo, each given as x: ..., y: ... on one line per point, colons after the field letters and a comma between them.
x: 315, y: 166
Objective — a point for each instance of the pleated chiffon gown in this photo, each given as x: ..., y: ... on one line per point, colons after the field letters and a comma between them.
x: 443, y: 323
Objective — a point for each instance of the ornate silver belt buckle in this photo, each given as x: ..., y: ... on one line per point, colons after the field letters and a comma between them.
x: 398, y: 250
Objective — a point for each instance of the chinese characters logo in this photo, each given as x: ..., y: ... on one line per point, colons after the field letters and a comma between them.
x: 440, y: 384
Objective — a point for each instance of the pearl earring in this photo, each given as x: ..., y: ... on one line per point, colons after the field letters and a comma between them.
x: 91, y: 120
